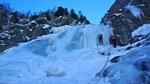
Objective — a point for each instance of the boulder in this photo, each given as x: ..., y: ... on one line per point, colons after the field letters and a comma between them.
x: 41, y: 20
x: 143, y: 64
x: 115, y: 59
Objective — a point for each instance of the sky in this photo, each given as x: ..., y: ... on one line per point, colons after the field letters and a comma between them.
x: 94, y: 10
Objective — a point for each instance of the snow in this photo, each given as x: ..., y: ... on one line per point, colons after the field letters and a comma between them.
x: 117, y: 14
x: 129, y: 68
x: 72, y: 55
x: 68, y: 56
x: 136, y: 12
x: 45, y: 26
x: 143, y: 30
x: 4, y: 35
x: 32, y: 22
x: 133, y: 66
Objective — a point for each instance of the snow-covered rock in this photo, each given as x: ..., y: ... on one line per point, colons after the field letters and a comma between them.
x: 23, y: 21
x: 4, y: 35
x: 133, y: 66
x: 142, y: 33
x: 143, y: 30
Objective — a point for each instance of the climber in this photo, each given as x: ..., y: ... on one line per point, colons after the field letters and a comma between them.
x: 112, y: 41
x: 118, y: 41
x: 100, y: 38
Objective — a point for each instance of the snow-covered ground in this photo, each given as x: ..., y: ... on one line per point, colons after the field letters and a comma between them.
x: 68, y: 56
x: 71, y: 55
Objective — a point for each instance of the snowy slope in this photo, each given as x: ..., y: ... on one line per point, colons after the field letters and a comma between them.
x: 72, y: 55
x: 134, y: 66
x: 68, y: 56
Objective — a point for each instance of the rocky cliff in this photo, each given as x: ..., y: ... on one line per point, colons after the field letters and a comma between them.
x: 127, y: 15
x: 17, y: 27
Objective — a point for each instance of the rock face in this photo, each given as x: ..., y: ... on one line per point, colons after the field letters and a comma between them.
x: 124, y: 18
x: 17, y: 33
x: 16, y: 27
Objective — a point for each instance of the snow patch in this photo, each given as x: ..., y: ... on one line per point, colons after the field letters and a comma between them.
x: 143, y: 30
x: 117, y: 14
x: 4, y: 35
x: 136, y: 12
x: 45, y: 26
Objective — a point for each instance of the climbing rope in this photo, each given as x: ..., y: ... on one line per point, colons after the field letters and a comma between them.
x: 100, y: 73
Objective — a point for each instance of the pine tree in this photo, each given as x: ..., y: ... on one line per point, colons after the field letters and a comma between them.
x: 81, y: 17
x: 66, y: 13
x: 79, y: 13
x: 34, y: 16
x: 60, y: 11
x: 48, y: 15
x: 73, y: 14
x: 28, y: 14
x: 4, y: 14
x: 15, y: 17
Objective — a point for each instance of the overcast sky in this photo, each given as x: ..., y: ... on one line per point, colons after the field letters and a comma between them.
x: 92, y: 9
